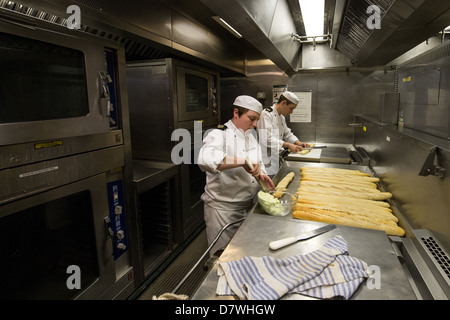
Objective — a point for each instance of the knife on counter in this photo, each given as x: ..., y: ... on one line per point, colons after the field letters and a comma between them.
x: 275, y: 245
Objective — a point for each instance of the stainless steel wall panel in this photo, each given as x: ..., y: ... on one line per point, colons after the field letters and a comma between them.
x: 336, y: 97
x: 398, y: 158
x: 424, y: 87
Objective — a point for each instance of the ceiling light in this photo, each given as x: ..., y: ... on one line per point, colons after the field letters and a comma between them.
x: 224, y: 24
x: 313, y: 16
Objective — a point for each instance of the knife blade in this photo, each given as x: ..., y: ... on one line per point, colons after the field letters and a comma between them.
x: 261, y: 183
x: 275, y: 245
x: 318, y: 147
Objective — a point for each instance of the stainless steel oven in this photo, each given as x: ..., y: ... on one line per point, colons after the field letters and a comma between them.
x: 196, y: 94
x: 165, y: 95
x: 64, y: 213
x: 54, y: 82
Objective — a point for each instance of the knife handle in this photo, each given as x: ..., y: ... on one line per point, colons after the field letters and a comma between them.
x: 274, y: 245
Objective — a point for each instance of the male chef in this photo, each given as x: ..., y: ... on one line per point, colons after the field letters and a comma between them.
x: 274, y: 134
x: 231, y: 186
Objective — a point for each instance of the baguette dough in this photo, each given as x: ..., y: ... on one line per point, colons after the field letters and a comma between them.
x: 282, y: 185
x: 345, y: 197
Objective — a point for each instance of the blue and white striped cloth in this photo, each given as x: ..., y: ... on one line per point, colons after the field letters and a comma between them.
x: 325, y: 273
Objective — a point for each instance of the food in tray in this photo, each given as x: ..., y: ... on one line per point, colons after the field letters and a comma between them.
x: 346, y: 197
x: 282, y: 185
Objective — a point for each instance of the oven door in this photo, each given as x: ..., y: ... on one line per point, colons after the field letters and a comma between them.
x: 196, y: 95
x: 56, y: 245
x: 193, y: 182
x: 52, y: 85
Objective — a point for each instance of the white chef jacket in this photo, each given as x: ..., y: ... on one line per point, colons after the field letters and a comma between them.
x: 231, y: 188
x: 229, y: 194
x: 273, y: 132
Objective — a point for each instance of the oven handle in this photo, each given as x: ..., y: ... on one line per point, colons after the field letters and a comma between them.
x: 105, y: 96
x: 25, y: 193
x: 108, y: 229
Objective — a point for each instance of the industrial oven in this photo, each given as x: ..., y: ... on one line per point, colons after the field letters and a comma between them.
x: 63, y: 164
x: 170, y: 99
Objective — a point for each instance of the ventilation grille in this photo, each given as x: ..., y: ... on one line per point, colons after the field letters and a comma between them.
x: 354, y: 31
x: 436, y: 252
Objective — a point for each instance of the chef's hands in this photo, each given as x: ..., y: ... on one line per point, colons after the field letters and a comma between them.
x: 296, y: 147
x: 303, y: 144
x: 269, y: 183
x: 292, y: 147
x: 256, y: 172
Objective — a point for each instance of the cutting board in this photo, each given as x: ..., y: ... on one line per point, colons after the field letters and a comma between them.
x: 313, y: 154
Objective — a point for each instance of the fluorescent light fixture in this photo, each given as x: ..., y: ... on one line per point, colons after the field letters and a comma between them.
x: 224, y: 24
x: 313, y: 16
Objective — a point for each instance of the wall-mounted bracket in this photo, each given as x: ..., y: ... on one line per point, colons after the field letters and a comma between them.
x: 430, y: 168
x: 313, y: 39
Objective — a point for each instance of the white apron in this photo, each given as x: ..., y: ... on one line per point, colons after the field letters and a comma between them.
x: 229, y: 194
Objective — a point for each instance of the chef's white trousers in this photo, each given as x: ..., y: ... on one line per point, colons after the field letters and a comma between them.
x: 216, y: 219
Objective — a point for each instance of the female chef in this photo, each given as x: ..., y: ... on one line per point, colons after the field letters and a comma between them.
x: 274, y: 134
x: 231, y: 186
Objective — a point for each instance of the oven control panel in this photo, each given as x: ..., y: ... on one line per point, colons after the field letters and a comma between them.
x: 117, y: 217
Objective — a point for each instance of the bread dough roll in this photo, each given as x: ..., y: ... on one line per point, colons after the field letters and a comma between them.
x: 303, y: 152
x: 328, y: 217
x: 282, y: 185
x: 346, y: 197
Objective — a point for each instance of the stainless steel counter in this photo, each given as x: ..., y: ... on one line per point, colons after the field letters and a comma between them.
x: 371, y: 246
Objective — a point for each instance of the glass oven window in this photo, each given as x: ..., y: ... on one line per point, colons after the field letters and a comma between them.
x: 196, y: 93
x: 40, y: 81
x: 41, y: 242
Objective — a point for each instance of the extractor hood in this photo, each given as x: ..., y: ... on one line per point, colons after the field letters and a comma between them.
x: 185, y: 28
x: 404, y: 24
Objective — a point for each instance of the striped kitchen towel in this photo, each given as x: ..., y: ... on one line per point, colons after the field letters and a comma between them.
x: 325, y: 273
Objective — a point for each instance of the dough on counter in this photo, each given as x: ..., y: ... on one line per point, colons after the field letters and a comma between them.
x: 303, y: 152
x: 346, y: 197
x: 282, y: 185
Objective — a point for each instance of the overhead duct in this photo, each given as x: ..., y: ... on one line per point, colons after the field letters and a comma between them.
x: 267, y: 27
x: 147, y: 29
x: 403, y: 25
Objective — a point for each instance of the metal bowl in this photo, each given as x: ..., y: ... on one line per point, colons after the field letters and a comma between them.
x: 279, y: 206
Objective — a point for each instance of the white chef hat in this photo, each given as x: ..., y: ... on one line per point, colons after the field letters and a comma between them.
x: 291, y: 97
x: 248, y: 102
